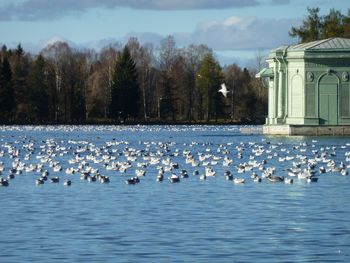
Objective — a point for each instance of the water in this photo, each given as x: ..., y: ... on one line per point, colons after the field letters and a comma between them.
x: 193, y: 221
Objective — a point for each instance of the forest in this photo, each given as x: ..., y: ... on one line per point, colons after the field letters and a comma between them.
x: 136, y: 83
x: 125, y: 84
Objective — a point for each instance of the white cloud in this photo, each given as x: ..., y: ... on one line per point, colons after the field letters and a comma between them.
x: 240, y: 33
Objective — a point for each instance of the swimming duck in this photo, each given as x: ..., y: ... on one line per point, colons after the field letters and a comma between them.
x: 228, y: 176
x: 39, y: 181
x: 3, y: 182
x: 275, y: 178
x: 203, y: 177
x: 55, y: 179
x: 239, y: 181
x: 312, y: 179
x: 67, y: 182
x: 174, y: 178
x: 133, y: 180
x: 288, y: 180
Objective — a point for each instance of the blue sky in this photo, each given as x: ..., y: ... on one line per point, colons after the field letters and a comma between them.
x: 235, y: 29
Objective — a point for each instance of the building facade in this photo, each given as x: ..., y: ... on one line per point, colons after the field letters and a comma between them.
x: 309, y: 87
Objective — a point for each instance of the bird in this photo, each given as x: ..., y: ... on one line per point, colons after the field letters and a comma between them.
x: 223, y: 90
x: 67, y: 182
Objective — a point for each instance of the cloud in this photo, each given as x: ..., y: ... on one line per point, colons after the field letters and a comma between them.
x: 31, y: 10
x: 232, y: 33
x: 241, y: 33
x: 280, y: 2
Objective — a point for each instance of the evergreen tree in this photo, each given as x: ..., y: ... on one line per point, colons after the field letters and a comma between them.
x: 209, y: 79
x: 311, y: 27
x: 332, y: 24
x: 38, y: 96
x: 316, y: 27
x: 346, y: 24
x: 7, y: 100
x: 167, y: 101
x: 20, y: 85
x: 125, y: 92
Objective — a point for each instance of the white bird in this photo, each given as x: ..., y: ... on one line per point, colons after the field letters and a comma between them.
x: 223, y: 90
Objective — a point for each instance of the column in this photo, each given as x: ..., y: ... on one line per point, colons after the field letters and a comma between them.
x: 280, y: 95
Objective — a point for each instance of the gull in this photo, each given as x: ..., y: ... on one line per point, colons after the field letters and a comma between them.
x: 223, y: 90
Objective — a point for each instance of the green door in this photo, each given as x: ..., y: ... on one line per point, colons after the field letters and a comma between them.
x: 328, y: 104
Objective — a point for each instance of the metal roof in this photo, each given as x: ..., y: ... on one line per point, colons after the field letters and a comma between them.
x: 336, y: 44
x: 266, y: 72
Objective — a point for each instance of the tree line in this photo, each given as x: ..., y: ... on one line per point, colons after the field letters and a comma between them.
x: 125, y: 84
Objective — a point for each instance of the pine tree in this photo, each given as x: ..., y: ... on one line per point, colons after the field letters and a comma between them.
x: 7, y: 100
x: 209, y: 79
x: 311, y: 27
x: 332, y: 25
x: 125, y: 91
x: 167, y: 101
x: 346, y: 24
x: 21, y: 70
x: 38, y: 96
x: 316, y: 27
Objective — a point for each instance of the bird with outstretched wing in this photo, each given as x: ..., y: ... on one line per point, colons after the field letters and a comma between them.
x: 223, y: 90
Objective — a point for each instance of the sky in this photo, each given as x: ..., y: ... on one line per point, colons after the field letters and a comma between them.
x: 237, y: 30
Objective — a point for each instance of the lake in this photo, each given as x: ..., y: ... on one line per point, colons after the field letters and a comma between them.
x: 212, y: 220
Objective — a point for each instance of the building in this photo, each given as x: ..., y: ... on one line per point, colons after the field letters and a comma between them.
x: 309, y: 88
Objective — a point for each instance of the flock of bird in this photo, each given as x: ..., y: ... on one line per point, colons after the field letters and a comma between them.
x: 57, y: 161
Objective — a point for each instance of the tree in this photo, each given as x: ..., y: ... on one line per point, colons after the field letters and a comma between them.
x: 311, y: 27
x: 21, y: 71
x: 103, y: 79
x: 316, y: 27
x: 7, y: 99
x: 209, y: 79
x: 39, y: 97
x: 146, y: 61
x: 167, y: 57
x: 332, y: 24
x: 58, y: 54
x: 125, y: 93
x: 346, y: 24
x: 192, y: 57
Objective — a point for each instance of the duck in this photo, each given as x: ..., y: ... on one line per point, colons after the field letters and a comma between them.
x: 67, y: 182
x: 55, y: 179
x: 312, y: 179
x: 174, y: 178
x: 140, y: 172
x: 39, y: 181
x: 184, y: 174
x: 343, y: 172
x: 254, y: 175
x: 91, y: 178
x: 203, y: 177
x: 132, y: 180
x: 322, y: 170
x: 160, y: 177
x: 4, y: 182
x: 11, y: 176
x: 275, y: 178
x: 288, y: 180
x: 104, y: 179
x: 228, y: 176
x: 257, y: 179
x: 239, y: 180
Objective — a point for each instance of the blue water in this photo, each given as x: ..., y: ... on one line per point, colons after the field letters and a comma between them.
x: 192, y: 221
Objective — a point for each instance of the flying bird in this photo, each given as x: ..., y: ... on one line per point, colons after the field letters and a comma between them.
x: 223, y: 90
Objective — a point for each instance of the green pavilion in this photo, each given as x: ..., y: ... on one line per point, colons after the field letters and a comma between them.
x: 309, y: 88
